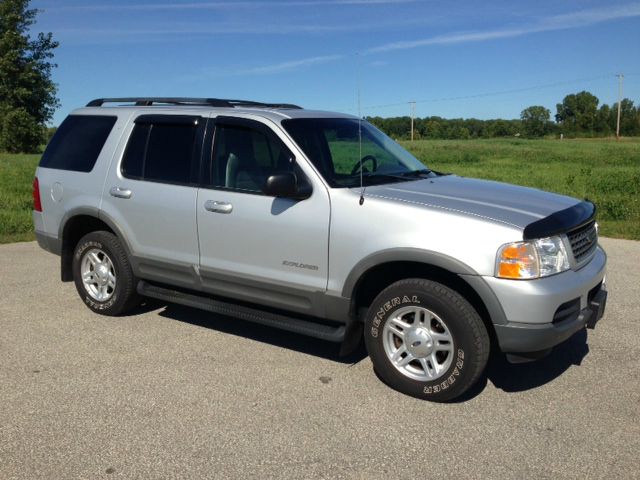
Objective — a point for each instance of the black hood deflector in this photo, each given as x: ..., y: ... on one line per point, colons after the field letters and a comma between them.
x: 561, y: 221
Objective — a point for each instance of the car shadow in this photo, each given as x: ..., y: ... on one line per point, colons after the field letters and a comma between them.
x: 525, y: 376
x: 503, y: 375
x: 254, y: 331
x: 512, y: 378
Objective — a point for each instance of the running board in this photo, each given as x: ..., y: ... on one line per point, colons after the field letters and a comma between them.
x: 283, y: 322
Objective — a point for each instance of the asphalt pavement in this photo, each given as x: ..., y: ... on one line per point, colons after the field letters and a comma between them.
x: 172, y: 392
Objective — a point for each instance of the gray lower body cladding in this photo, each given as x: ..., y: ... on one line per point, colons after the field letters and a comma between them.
x: 49, y: 242
x: 283, y: 322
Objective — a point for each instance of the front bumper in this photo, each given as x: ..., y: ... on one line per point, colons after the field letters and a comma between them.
x: 523, y: 338
x: 532, y: 307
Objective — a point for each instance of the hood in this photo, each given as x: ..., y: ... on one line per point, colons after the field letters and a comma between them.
x: 500, y: 202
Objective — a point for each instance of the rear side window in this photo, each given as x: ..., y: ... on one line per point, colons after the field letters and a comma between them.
x: 161, y: 151
x: 78, y: 142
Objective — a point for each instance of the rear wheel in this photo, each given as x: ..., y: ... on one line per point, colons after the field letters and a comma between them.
x: 103, y: 275
x: 426, y: 340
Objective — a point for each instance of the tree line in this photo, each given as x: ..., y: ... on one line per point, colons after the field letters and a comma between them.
x: 578, y: 115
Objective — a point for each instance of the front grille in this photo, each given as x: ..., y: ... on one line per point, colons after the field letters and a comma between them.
x: 583, y: 241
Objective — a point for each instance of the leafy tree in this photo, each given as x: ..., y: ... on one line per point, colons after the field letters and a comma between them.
x: 433, y: 128
x: 502, y: 128
x: 49, y: 133
x: 577, y: 112
x: 535, y: 120
x: 629, y: 118
x: 605, y: 122
x: 396, y: 127
x: 458, y: 132
x: 18, y: 132
x: 27, y: 93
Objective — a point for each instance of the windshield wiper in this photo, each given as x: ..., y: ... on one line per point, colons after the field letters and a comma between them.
x: 400, y: 175
x: 385, y: 176
x: 416, y: 173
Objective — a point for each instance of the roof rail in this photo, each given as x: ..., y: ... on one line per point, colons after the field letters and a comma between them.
x: 207, y: 102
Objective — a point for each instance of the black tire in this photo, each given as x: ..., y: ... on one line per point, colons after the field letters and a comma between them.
x: 471, y: 345
x: 124, y: 295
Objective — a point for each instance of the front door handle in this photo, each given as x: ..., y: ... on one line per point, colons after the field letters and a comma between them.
x: 120, y: 192
x: 218, y: 207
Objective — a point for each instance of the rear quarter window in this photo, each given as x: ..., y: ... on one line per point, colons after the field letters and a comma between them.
x: 78, y: 142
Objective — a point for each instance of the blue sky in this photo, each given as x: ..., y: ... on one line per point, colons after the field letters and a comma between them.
x: 456, y: 58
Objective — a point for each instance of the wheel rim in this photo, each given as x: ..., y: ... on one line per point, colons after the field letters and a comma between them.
x: 418, y: 343
x: 98, y: 275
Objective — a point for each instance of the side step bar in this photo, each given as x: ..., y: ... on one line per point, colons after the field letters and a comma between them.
x: 283, y: 322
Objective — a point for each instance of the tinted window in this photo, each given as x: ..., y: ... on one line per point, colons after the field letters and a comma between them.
x: 170, y: 153
x: 161, y: 152
x: 132, y: 165
x: 78, y: 142
x: 244, y: 158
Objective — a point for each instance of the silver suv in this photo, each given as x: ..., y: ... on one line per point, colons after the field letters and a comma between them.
x: 315, y: 223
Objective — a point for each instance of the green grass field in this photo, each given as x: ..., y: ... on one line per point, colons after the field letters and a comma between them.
x: 16, y: 177
x: 603, y: 170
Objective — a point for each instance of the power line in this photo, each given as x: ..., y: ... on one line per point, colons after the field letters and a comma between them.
x: 488, y: 94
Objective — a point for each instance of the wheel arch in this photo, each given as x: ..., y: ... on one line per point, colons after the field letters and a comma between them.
x: 76, y: 224
x: 374, y: 273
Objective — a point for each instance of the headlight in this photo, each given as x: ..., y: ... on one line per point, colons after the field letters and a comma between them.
x: 533, y: 259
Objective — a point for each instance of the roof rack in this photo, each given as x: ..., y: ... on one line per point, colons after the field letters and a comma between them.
x: 207, y: 102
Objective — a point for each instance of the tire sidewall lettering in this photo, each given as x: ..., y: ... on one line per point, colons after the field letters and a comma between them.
x: 85, y: 246
x: 100, y: 306
x: 380, y: 315
x: 90, y: 302
x: 427, y: 388
x: 450, y: 380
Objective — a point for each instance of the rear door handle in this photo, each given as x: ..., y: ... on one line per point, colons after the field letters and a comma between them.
x: 218, y: 207
x: 120, y: 192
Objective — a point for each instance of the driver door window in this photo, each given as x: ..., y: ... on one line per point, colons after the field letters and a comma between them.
x: 244, y: 158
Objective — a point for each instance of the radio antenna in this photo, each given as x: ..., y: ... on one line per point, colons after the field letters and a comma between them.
x: 361, y: 201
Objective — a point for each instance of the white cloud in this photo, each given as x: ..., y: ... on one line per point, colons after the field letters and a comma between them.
x: 287, y: 66
x: 213, y: 29
x: 592, y: 16
x: 578, y: 19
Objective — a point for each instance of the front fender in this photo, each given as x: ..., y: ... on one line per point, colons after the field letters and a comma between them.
x: 428, y: 258
x: 403, y: 255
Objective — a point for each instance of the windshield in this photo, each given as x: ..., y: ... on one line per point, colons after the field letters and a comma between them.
x: 333, y: 145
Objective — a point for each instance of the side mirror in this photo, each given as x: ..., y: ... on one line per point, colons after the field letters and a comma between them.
x: 284, y: 185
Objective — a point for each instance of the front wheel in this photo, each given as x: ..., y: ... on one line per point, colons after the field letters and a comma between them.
x: 103, y: 275
x: 426, y: 340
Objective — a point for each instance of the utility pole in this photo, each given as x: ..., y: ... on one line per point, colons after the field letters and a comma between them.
x: 620, y: 80
x: 413, y: 114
